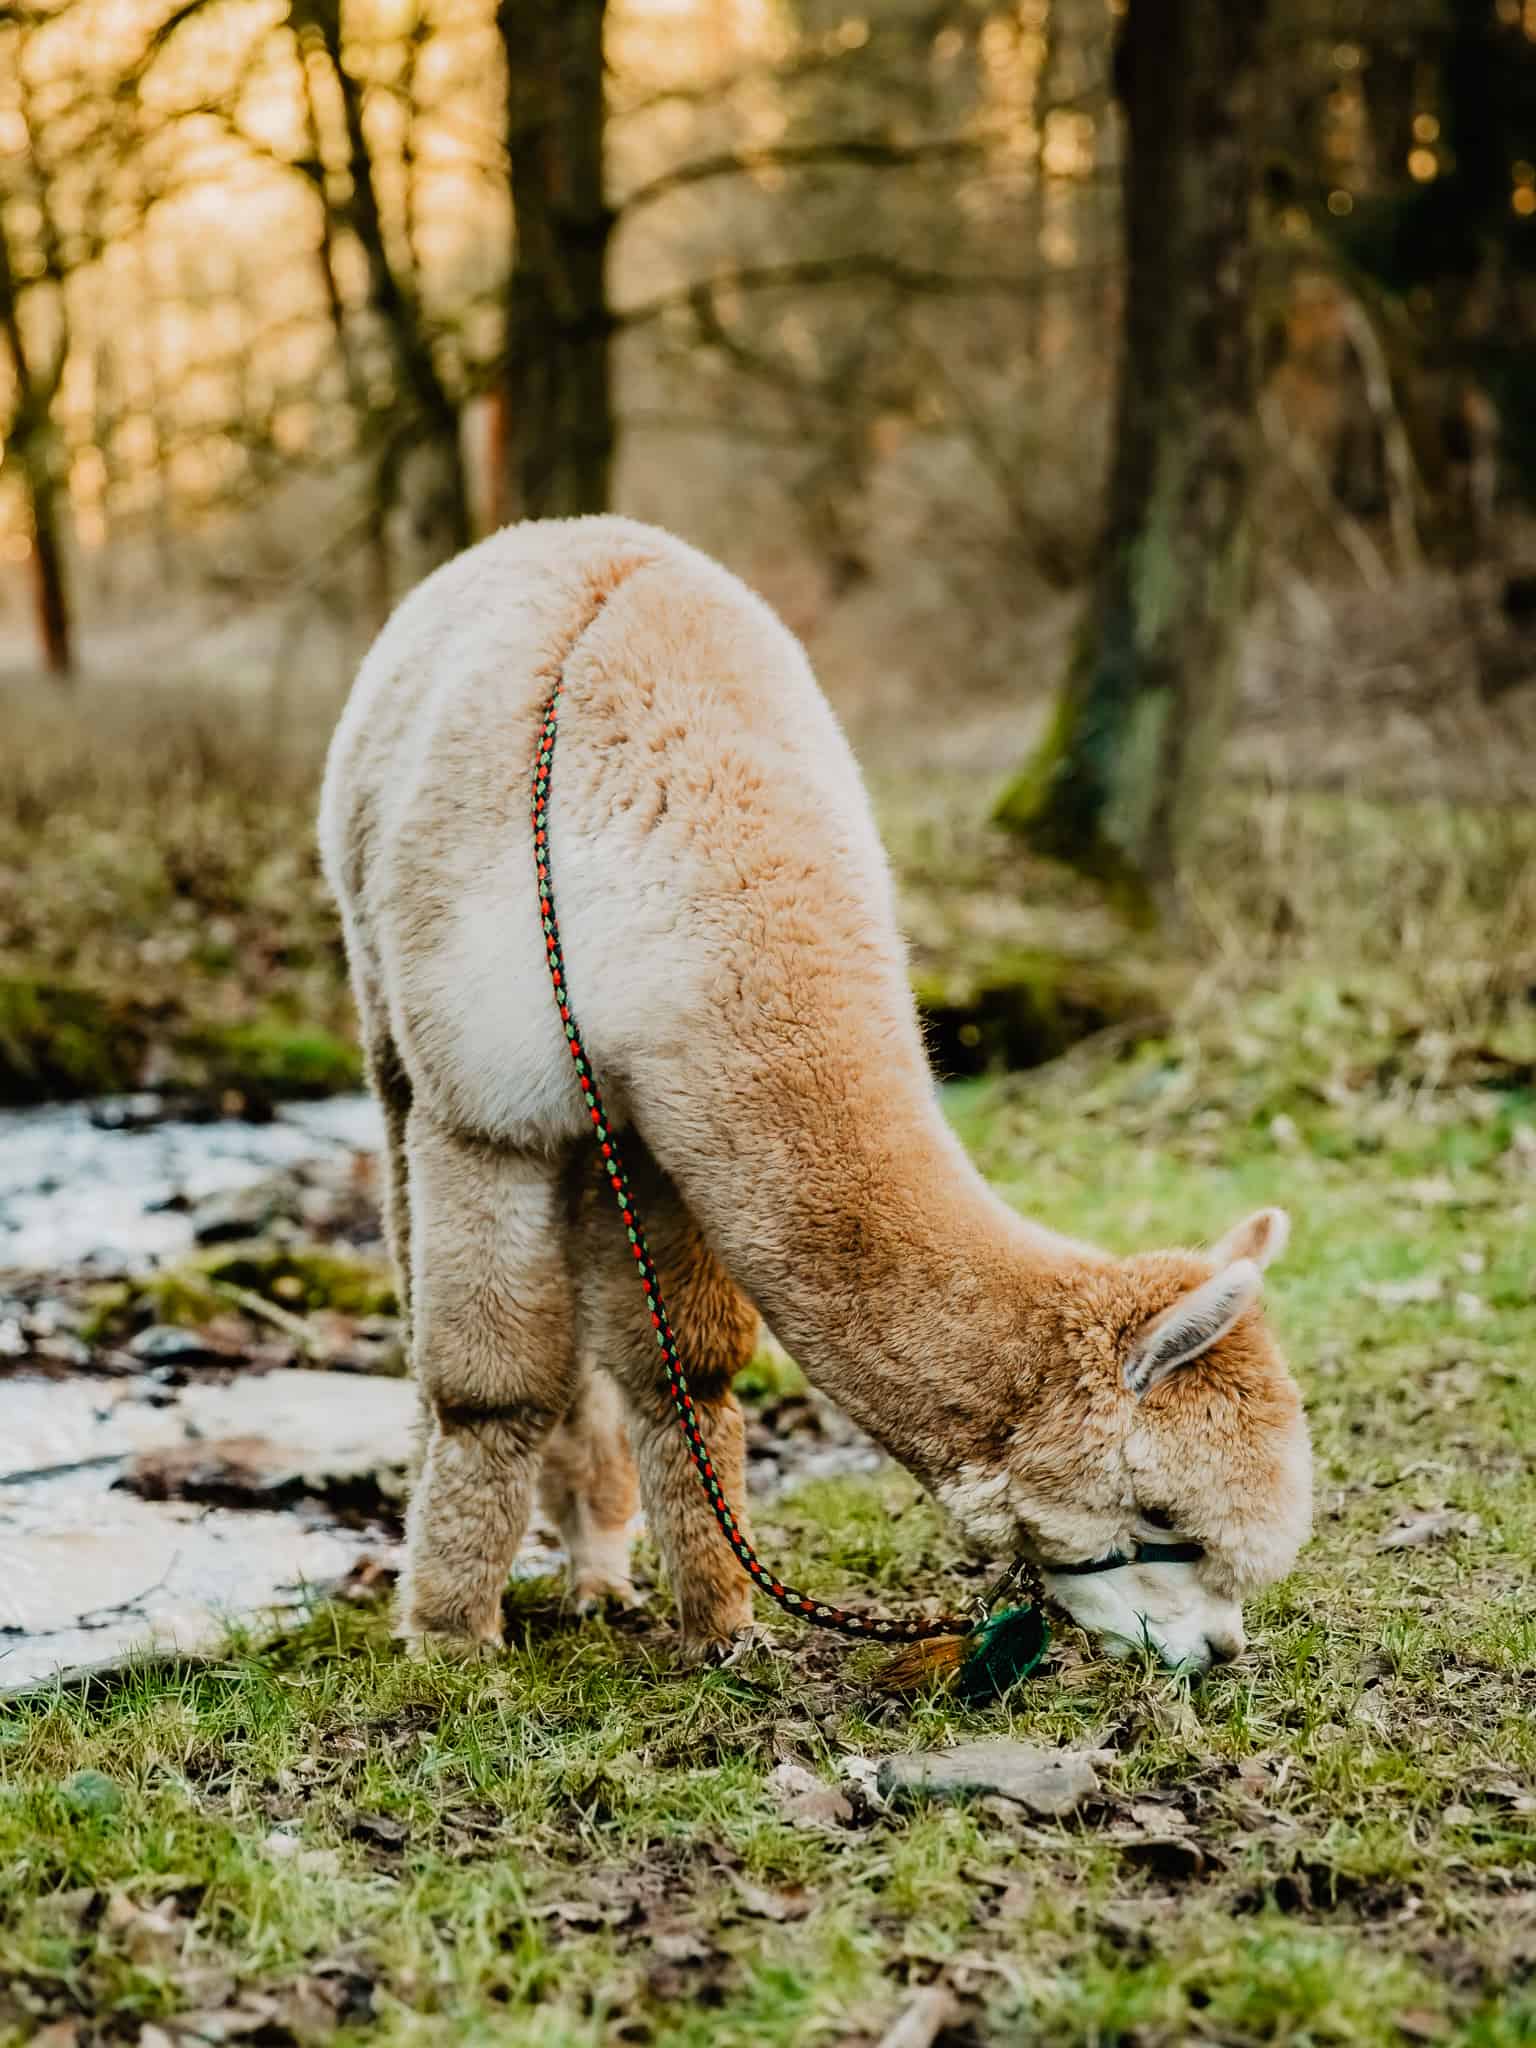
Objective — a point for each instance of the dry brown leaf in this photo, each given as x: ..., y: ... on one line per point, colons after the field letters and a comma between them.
x: 1174, y: 1857
x: 682, y: 1945
x: 1420, y: 2024
x: 922, y: 2019
x: 805, y: 1800
x: 763, y: 1903
x: 1158, y: 1819
x: 1412, y: 1532
x: 145, y: 1934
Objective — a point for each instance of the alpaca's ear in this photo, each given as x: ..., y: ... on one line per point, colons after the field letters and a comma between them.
x: 1262, y: 1237
x: 1194, y: 1323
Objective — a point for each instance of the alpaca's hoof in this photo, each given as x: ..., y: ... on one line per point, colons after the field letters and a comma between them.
x: 425, y: 1645
x: 456, y: 1643
x: 714, y: 1652
x: 593, y: 1593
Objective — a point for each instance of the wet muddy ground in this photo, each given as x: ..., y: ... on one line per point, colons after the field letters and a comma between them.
x: 203, y: 1414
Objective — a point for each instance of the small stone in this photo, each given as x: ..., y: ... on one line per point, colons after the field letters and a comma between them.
x: 1158, y: 1819
x: 63, y: 1348
x: 237, y: 1213
x: 164, y: 1344
x: 381, y: 1828
x: 1048, y: 1782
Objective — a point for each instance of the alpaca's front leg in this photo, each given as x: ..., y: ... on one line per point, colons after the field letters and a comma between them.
x: 493, y: 1354
x: 716, y: 1331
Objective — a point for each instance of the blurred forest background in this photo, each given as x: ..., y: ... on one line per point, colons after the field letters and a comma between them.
x: 298, y: 299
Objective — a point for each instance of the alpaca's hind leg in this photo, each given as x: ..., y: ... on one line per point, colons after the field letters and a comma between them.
x: 716, y: 1329
x: 391, y: 1084
x: 590, y: 1491
x: 492, y: 1340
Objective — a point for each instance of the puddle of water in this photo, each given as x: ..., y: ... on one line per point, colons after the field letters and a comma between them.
x: 158, y: 1576
x: 94, y: 1575
x: 72, y: 1193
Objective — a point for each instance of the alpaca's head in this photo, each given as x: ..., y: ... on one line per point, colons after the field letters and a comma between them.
x: 1165, y: 1416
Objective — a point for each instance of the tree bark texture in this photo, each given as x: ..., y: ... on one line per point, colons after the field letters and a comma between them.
x: 1115, y: 787
x: 559, y: 426
x: 31, y: 438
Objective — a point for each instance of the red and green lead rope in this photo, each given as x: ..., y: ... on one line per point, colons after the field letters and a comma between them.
x: 876, y: 1627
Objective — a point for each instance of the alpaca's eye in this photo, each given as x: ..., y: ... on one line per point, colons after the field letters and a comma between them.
x: 1157, y: 1518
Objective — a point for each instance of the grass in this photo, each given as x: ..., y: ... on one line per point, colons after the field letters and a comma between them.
x: 579, y: 1844
x: 320, y: 1839
x: 163, y: 921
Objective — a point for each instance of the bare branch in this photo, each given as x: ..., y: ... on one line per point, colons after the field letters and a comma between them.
x: 868, y: 152
x: 766, y: 369
x: 855, y: 270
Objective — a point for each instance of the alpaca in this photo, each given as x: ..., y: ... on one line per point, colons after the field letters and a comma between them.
x: 734, y: 958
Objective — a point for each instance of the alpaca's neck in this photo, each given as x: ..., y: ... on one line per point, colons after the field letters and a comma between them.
x: 908, y: 1292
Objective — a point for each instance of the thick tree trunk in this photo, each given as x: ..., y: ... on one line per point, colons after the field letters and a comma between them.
x: 1115, y: 787
x: 559, y: 438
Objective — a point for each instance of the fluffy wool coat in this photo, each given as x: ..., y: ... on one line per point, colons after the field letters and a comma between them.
x: 734, y: 959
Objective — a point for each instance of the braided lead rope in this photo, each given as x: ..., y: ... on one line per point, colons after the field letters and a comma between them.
x: 817, y: 1612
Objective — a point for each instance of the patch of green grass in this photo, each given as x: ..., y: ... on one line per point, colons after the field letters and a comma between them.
x: 579, y: 1843
x: 770, y: 1376
x: 162, y: 915
x: 59, y: 1040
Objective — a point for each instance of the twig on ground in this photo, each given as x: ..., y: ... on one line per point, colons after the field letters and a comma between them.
x: 283, y: 1319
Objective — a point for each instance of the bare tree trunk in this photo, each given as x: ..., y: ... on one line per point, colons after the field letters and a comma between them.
x: 1114, y: 789
x: 559, y: 413
x: 30, y: 437
x: 431, y: 461
x: 51, y: 593
x: 378, y: 577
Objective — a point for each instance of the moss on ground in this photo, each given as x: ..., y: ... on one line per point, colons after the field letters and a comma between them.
x: 163, y: 920
x: 191, y: 1292
x: 60, y: 1041
x: 1020, y: 1007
